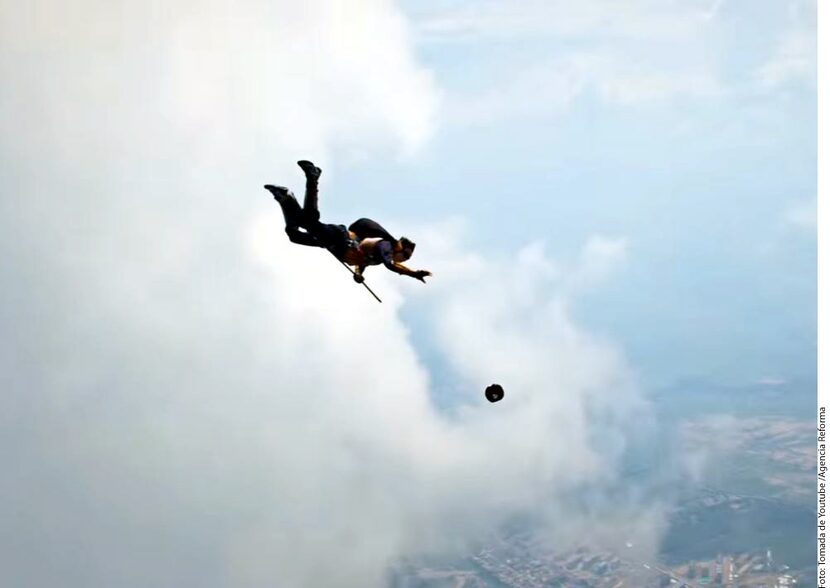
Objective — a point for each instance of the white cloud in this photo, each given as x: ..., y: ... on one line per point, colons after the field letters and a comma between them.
x: 803, y: 215
x: 600, y: 257
x: 559, y: 18
x: 551, y: 88
x: 532, y: 91
x: 627, y: 53
x: 771, y: 381
x: 191, y: 400
x: 631, y: 86
x: 276, y: 76
x: 714, y: 9
x: 794, y: 60
x: 794, y: 57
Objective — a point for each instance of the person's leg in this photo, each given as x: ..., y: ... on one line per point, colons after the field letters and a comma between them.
x: 311, y: 207
x: 300, y: 237
x: 294, y: 221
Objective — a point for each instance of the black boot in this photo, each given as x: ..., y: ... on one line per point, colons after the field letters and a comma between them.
x: 290, y: 207
x: 280, y: 193
x: 309, y: 168
x: 311, y: 209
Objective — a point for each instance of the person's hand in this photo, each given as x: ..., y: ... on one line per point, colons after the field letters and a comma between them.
x: 421, y: 274
x: 358, y: 278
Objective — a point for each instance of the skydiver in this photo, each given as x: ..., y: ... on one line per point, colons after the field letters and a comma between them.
x: 363, y: 244
x: 377, y: 247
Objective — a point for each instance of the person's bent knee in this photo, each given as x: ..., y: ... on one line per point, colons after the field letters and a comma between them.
x: 294, y: 233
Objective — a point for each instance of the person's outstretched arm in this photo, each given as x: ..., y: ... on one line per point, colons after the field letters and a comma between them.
x: 399, y: 268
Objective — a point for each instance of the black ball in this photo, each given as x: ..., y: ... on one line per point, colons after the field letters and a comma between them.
x: 494, y: 393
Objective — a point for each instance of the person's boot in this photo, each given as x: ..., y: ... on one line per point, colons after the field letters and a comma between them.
x: 311, y: 209
x: 280, y: 193
x: 309, y: 168
x: 290, y: 207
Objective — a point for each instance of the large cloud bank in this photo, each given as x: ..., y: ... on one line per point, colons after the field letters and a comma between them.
x: 188, y: 399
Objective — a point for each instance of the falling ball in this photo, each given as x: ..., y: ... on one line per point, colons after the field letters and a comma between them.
x: 494, y: 393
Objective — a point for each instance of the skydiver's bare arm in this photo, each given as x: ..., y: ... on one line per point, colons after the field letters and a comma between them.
x: 399, y: 268
x: 358, y: 273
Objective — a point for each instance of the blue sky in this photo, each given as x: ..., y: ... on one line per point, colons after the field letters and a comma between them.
x: 686, y: 129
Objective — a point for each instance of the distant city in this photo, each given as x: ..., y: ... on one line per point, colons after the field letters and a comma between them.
x: 584, y: 568
x: 512, y: 564
x: 746, y: 522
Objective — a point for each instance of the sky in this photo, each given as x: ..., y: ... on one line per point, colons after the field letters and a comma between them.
x: 612, y: 196
x: 684, y: 129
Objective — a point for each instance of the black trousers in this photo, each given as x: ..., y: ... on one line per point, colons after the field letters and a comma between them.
x: 303, y: 226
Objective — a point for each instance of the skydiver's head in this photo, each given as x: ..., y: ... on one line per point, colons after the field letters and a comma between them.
x: 403, y: 249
